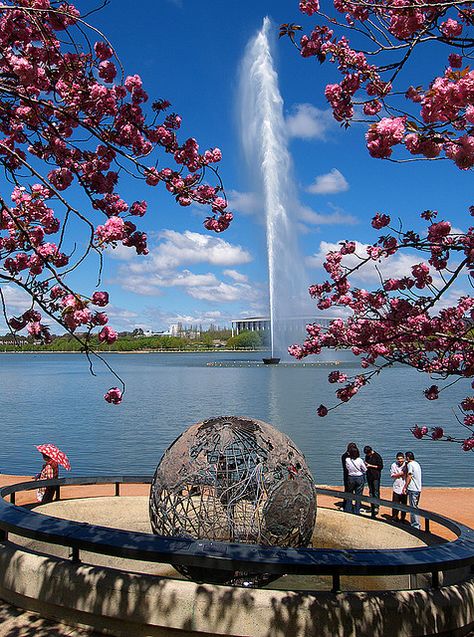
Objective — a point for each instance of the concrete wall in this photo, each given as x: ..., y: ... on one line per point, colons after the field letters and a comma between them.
x: 127, y: 604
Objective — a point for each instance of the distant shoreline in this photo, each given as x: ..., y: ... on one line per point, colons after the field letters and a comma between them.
x: 140, y: 351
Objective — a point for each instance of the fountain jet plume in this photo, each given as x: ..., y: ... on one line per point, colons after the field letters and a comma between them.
x: 265, y: 145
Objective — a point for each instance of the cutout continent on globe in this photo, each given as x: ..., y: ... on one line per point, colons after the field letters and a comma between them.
x: 233, y: 479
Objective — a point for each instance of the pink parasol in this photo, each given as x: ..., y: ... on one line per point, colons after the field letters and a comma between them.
x: 55, y: 454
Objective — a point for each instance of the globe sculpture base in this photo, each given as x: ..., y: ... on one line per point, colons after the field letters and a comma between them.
x: 233, y: 479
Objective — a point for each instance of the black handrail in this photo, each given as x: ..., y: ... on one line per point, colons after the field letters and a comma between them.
x: 232, y: 556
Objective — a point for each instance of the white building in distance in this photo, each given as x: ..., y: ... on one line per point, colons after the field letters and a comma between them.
x: 262, y: 323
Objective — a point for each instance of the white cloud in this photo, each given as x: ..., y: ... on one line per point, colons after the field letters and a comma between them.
x: 163, y: 269
x: 225, y: 292
x: 303, y: 228
x: 120, y: 252
x: 187, y: 279
x: 247, y: 203
x: 237, y: 276
x: 16, y: 300
x: 308, y: 122
x: 451, y: 298
x: 177, y: 249
x: 252, y: 203
x: 329, y: 183
x: 152, y: 283
x: 396, y: 266
x: 205, y: 287
x: 123, y: 319
x: 308, y: 215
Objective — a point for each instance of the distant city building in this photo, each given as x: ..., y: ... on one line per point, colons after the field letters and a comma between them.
x: 150, y: 333
x: 175, y: 329
x: 186, y: 331
x: 14, y: 340
x: 193, y: 332
x: 262, y: 323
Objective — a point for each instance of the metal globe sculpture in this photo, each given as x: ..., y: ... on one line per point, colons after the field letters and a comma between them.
x: 233, y: 479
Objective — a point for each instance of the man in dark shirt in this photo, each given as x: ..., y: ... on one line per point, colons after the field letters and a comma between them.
x: 374, y: 465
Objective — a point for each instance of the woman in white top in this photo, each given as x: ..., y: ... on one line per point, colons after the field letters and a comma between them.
x: 356, y: 471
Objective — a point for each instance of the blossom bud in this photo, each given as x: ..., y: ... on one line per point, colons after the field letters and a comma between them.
x: 322, y: 411
x: 114, y: 396
x: 432, y: 393
x: 100, y: 298
x: 437, y: 433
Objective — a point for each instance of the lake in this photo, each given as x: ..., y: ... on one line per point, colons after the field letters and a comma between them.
x: 54, y: 398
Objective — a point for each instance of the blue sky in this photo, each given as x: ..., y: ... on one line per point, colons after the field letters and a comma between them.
x: 189, y: 52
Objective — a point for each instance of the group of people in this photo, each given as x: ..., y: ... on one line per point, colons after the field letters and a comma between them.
x: 405, y: 473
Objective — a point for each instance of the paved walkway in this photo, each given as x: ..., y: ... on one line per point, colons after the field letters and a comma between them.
x: 456, y: 503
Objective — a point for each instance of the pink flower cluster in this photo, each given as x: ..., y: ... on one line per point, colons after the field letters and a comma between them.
x: 432, y: 393
x: 394, y: 323
x: 385, y: 134
x: 67, y: 118
x: 437, y: 433
x: 445, y: 107
x: 114, y: 396
x: 309, y: 6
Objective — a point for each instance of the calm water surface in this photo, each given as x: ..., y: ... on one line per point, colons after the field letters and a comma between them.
x: 53, y: 398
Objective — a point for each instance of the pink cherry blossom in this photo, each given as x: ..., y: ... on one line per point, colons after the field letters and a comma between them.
x: 406, y: 318
x: 309, y: 6
x: 455, y: 60
x: 114, y: 395
x: 380, y: 221
x: 437, y: 433
x: 468, y: 444
x: 419, y: 432
x: 365, y: 73
x: 432, y: 393
x: 337, y: 377
x: 70, y: 120
x: 103, y: 51
x: 322, y: 411
x: 451, y: 28
x: 100, y: 298
x: 382, y: 136
x: 107, y: 335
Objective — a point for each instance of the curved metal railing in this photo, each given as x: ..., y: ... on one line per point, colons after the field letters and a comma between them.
x: 80, y: 536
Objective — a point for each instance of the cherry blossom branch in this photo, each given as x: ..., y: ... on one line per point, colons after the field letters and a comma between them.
x: 62, y: 105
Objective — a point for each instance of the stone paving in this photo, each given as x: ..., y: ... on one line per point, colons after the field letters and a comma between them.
x: 15, y: 622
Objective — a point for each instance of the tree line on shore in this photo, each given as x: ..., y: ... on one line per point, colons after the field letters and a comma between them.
x: 130, y: 342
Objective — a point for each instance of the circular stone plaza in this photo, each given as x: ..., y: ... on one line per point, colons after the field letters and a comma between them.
x: 76, y: 561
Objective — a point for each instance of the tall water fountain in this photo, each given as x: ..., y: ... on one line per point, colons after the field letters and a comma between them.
x: 265, y: 145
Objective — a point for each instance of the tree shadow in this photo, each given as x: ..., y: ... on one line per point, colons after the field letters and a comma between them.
x: 95, y: 594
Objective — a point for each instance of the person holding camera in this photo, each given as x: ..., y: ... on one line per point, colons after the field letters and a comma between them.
x: 398, y: 473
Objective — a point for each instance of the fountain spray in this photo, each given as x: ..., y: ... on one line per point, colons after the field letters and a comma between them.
x: 265, y: 145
